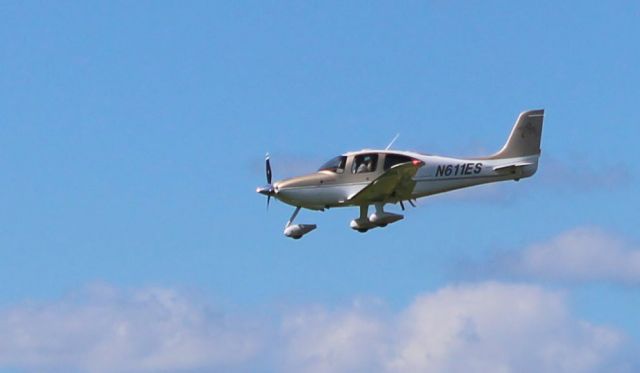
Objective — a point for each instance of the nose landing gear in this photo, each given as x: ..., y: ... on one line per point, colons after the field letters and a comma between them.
x: 296, y: 231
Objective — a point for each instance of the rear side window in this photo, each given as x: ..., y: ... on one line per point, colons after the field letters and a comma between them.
x: 393, y: 159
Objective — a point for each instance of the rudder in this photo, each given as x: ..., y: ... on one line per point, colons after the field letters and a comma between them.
x: 525, y: 136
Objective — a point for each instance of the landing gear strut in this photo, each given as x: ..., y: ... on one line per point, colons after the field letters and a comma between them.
x: 296, y: 231
x: 380, y: 218
x: 362, y: 224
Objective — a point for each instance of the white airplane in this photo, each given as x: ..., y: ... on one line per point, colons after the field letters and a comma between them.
x: 378, y: 177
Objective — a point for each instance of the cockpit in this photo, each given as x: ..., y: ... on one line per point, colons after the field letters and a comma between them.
x: 364, y: 162
x: 336, y: 164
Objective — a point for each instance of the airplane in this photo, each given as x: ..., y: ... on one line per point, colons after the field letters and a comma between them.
x: 379, y: 177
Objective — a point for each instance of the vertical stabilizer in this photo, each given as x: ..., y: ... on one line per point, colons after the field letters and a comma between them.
x: 525, y: 136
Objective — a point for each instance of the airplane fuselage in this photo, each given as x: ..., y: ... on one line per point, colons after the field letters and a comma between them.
x: 379, y: 177
x: 438, y: 174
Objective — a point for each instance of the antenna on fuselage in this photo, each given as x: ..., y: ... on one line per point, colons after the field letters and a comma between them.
x: 392, y: 141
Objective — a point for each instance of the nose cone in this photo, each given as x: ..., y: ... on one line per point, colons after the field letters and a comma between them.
x: 267, y: 190
x: 287, y: 191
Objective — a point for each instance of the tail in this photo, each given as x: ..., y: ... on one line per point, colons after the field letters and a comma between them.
x: 525, y: 136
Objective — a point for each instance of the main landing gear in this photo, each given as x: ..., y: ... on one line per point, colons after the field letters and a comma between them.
x: 380, y: 218
x: 296, y: 231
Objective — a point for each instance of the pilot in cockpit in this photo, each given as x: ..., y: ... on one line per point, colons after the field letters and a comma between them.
x: 365, y: 166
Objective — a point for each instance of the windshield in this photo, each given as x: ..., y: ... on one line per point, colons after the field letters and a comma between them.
x: 334, y: 164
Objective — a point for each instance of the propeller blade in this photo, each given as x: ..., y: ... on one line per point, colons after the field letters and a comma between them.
x: 268, y: 165
x: 268, y: 200
x: 412, y: 204
x: 402, y: 205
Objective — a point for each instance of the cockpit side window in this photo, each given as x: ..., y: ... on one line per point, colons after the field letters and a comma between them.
x: 335, y: 164
x: 364, y: 163
x: 391, y: 160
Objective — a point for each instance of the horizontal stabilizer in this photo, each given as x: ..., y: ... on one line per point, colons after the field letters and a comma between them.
x: 511, y: 168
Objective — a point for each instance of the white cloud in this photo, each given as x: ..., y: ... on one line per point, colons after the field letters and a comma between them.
x: 318, y: 340
x: 495, y: 327
x: 582, y: 254
x: 488, y: 327
x: 107, y: 331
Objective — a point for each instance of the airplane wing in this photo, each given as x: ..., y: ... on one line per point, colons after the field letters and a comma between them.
x: 396, y: 182
x: 510, y: 168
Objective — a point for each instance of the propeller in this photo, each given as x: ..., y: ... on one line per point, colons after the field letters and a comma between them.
x: 268, y: 189
x: 268, y: 170
x: 268, y: 164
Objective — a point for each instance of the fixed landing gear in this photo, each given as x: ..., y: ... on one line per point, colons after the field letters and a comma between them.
x: 362, y: 224
x: 296, y: 231
x: 380, y: 218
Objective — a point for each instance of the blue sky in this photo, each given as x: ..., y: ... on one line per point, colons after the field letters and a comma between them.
x: 132, y: 137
